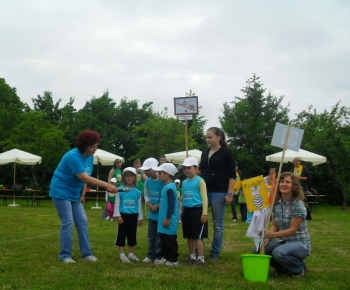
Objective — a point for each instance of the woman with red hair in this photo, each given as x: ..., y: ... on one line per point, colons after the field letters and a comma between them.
x: 67, y: 191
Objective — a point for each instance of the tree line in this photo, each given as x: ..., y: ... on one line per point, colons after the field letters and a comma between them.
x: 136, y: 131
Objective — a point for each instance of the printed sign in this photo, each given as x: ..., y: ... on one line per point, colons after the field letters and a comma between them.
x: 186, y: 106
x: 255, y: 192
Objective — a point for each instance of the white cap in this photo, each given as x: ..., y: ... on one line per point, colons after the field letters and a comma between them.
x: 129, y: 169
x: 177, y: 181
x: 189, y: 161
x: 113, y: 179
x: 167, y: 167
x: 149, y: 163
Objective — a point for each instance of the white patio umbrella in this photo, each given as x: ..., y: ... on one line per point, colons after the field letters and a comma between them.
x: 20, y: 157
x: 305, y: 155
x: 179, y: 157
x: 105, y: 158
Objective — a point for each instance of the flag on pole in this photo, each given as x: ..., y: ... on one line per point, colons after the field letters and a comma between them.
x: 255, y: 193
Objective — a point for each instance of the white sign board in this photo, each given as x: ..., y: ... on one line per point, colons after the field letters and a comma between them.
x: 185, y: 106
x: 294, y: 139
x: 185, y: 117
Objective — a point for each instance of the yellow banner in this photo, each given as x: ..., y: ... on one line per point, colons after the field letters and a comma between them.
x: 255, y: 193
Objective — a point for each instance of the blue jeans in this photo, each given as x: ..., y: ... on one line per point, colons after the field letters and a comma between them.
x: 154, y: 241
x: 68, y: 212
x: 217, y: 202
x: 288, y: 256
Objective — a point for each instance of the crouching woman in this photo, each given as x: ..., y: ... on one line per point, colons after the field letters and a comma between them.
x: 288, y: 240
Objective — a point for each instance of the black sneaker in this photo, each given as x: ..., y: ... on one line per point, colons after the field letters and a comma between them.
x: 213, y: 257
x: 198, y: 263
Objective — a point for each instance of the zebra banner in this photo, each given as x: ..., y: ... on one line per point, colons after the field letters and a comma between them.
x: 255, y: 192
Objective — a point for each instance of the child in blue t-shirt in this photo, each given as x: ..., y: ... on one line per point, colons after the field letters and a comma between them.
x: 168, y: 216
x: 194, y: 211
x: 128, y: 211
x: 152, y: 190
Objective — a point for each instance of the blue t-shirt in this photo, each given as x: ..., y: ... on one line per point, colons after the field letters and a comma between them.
x: 154, y: 190
x: 129, y: 201
x: 65, y: 184
x: 163, y: 210
x: 191, y: 195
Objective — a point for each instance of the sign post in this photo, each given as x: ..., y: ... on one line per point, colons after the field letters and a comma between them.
x: 185, y: 108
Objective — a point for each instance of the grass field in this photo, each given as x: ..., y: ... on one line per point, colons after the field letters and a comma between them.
x: 29, y: 243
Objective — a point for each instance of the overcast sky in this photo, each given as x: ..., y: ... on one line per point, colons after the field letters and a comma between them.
x: 159, y: 50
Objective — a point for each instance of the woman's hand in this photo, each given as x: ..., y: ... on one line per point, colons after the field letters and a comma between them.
x: 228, y: 199
x: 82, y: 199
x: 268, y: 235
x: 120, y: 220
x: 112, y: 188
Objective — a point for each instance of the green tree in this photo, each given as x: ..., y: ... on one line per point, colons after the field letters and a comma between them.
x: 53, y: 112
x: 328, y: 134
x: 38, y: 136
x: 11, y: 109
x: 249, y: 122
x: 160, y: 135
x: 114, y: 122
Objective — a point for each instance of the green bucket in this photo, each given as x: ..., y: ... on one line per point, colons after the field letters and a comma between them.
x: 256, y: 267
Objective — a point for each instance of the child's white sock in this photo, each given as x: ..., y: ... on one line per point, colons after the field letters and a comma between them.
x: 131, y: 254
x: 193, y: 256
x: 122, y: 255
x: 201, y: 258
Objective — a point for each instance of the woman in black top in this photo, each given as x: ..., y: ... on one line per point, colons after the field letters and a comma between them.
x: 217, y: 167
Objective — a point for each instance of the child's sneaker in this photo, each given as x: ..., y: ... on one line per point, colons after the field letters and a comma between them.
x: 189, y: 260
x: 111, y: 219
x: 68, y: 260
x: 90, y: 259
x: 132, y: 257
x: 107, y: 218
x: 168, y: 263
x: 147, y: 260
x: 162, y: 261
x: 125, y: 259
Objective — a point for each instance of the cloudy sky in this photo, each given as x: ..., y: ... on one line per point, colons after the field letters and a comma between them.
x: 159, y: 50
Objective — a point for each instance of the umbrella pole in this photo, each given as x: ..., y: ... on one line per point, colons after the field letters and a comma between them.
x: 98, y: 170
x: 14, y: 182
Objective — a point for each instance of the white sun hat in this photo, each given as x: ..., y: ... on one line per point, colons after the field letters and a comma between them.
x: 189, y: 161
x: 167, y: 167
x: 149, y: 163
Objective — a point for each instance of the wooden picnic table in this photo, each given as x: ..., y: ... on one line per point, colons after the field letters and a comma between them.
x: 313, y: 203
x: 8, y: 193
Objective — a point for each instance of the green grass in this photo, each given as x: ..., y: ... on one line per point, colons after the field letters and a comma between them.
x: 29, y: 243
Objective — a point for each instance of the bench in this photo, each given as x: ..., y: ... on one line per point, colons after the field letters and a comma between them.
x: 34, y: 199
x: 315, y: 201
x: 28, y: 194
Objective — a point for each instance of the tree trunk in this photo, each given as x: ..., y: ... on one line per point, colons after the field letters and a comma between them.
x: 338, y: 182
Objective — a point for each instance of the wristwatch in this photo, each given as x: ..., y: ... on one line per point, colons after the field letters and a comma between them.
x: 230, y: 194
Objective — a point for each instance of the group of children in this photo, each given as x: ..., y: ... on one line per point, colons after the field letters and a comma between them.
x: 164, y: 213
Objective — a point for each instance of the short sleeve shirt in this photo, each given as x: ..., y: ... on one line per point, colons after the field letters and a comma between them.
x: 283, y: 212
